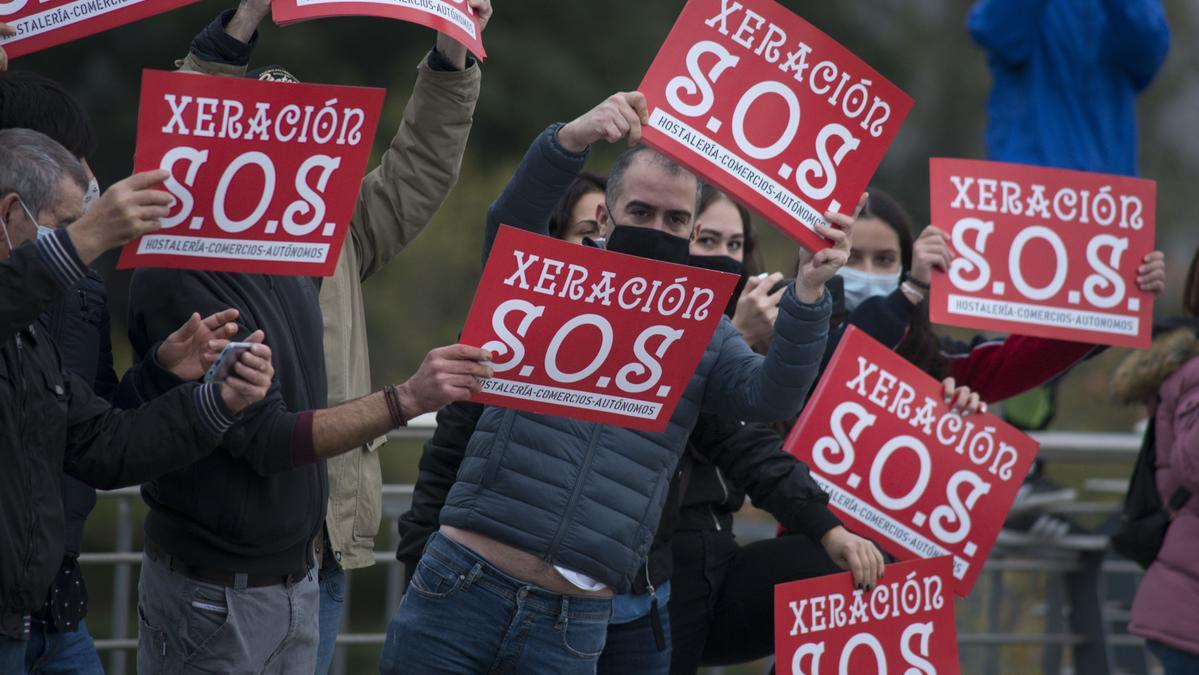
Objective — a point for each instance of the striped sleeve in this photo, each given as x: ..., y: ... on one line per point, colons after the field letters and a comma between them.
x: 214, y: 416
x: 58, y: 253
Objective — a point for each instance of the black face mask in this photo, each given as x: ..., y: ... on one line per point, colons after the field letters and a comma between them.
x: 653, y: 244
x: 723, y: 263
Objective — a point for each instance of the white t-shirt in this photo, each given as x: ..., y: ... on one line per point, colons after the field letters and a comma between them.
x: 581, y: 581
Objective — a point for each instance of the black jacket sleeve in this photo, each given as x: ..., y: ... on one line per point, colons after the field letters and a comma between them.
x: 106, y: 376
x: 438, y: 468
x: 34, y: 278
x: 885, y: 319
x: 108, y: 448
x: 162, y: 300
x: 752, y: 457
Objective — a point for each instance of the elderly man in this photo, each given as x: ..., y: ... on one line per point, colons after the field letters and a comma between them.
x: 50, y: 421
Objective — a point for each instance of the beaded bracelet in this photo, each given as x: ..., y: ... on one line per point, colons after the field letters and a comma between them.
x: 394, y: 408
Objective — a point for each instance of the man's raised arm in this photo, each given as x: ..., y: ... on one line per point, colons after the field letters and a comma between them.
x: 399, y: 198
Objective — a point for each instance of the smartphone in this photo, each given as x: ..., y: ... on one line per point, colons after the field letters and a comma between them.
x: 223, y: 366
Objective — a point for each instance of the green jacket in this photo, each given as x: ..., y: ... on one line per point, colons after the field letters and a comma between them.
x: 397, y: 200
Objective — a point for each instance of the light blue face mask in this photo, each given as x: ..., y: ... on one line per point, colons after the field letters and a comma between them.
x: 41, y: 231
x: 859, y: 286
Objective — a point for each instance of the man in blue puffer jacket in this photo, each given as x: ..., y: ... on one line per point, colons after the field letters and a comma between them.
x: 549, y: 517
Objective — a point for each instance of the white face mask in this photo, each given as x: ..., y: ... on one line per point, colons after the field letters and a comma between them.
x: 92, y: 196
x: 862, y: 285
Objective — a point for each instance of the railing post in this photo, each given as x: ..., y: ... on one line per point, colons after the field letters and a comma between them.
x: 1055, y: 609
x: 995, y: 596
x: 121, y: 575
x: 1094, y: 655
x: 395, y: 582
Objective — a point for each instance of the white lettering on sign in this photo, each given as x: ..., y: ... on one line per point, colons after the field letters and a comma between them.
x: 291, y: 123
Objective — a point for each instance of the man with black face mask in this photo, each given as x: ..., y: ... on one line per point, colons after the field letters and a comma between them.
x: 531, y: 549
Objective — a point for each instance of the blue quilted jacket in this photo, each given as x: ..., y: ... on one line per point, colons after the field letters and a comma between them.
x: 588, y: 496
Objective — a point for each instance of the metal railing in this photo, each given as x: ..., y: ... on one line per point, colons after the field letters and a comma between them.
x: 1078, y: 616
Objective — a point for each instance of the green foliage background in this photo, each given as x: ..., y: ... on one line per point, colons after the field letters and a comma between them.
x: 551, y: 60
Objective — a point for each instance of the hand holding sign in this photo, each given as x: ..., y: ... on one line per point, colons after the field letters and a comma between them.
x: 1151, y: 276
x: 448, y: 374
x: 855, y: 555
x: 454, y: 50
x: 127, y: 210
x: 931, y: 251
x: 245, y: 20
x: 817, y: 268
x: 621, y: 114
x: 5, y: 31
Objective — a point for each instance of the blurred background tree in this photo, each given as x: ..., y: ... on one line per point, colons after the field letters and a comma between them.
x: 552, y: 60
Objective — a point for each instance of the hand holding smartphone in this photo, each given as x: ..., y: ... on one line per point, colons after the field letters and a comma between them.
x: 223, y: 366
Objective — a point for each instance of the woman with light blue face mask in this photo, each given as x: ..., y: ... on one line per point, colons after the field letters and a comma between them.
x: 883, y: 249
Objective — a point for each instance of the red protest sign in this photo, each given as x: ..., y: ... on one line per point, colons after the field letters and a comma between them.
x: 1044, y: 252
x: 900, y: 466
x: 47, y: 23
x: 766, y: 107
x: 825, y: 626
x: 590, y: 334
x: 455, y: 18
x: 264, y: 174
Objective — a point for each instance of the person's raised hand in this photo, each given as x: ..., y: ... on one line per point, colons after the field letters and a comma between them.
x: 962, y: 399
x: 6, y: 31
x: 127, y: 210
x: 931, y: 250
x: 246, y: 19
x: 1151, y: 276
x: 757, y: 308
x: 454, y: 51
x: 621, y: 114
x: 447, y: 374
x: 251, y: 376
x: 817, y: 268
x: 192, y: 349
x: 856, y: 555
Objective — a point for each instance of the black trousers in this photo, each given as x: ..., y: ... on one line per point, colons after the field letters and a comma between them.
x: 722, y: 594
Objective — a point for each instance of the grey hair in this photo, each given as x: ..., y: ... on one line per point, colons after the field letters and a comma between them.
x: 616, y: 175
x: 33, y: 165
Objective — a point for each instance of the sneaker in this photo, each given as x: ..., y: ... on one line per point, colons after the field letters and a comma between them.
x: 1030, y: 529
x: 1038, y: 491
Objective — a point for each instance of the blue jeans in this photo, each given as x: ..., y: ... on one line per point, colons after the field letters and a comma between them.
x: 631, y: 648
x: 12, y: 655
x: 333, y: 597
x: 1175, y: 661
x: 49, y: 653
x: 462, y: 615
